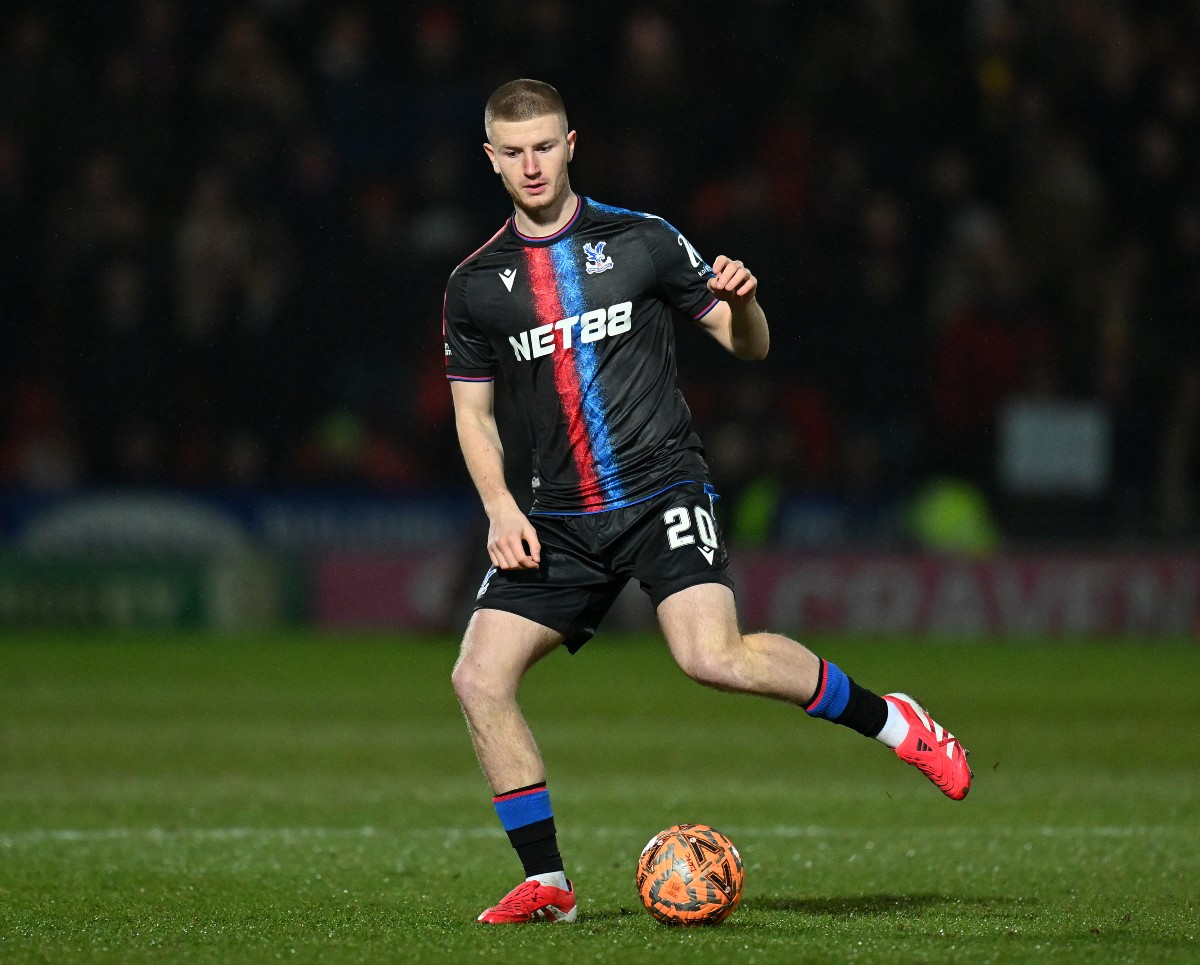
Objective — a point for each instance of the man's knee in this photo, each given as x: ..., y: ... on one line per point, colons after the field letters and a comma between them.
x: 464, y: 679
x: 475, y: 682
x: 496, y: 652
x: 713, y: 662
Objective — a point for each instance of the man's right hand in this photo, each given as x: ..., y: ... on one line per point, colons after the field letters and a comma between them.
x: 512, y: 541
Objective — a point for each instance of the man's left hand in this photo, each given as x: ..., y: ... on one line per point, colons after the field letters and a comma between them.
x: 733, y: 281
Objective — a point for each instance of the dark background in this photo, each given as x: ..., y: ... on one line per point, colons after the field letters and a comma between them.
x: 227, y: 228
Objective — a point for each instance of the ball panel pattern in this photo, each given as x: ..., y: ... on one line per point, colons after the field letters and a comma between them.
x: 690, y: 874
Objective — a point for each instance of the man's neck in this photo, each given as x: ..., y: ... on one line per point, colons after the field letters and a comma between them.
x: 548, y: 221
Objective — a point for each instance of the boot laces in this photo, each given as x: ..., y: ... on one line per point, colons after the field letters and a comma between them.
x: 522, y: 899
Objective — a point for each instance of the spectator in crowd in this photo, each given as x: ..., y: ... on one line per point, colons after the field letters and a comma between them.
x: 220, y: 240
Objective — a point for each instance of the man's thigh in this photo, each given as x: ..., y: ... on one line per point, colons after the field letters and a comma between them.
x: 702, y: 615
x: 504, y: 645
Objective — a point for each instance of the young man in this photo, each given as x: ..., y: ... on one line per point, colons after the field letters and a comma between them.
x: 572, y: 303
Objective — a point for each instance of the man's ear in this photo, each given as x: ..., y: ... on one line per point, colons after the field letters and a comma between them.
x: 491, y: 153
x: 570, y: 145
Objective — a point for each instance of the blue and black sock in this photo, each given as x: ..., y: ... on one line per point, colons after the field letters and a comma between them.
x: 841, y: 700
x: 526, y: 817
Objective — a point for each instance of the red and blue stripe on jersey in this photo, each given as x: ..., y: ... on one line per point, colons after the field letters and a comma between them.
x: 556, y: 284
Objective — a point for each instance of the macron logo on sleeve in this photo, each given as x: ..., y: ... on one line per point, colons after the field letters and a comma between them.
x: 508, y: 276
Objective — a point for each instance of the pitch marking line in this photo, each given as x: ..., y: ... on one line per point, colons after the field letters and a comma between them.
x: 10, y: 839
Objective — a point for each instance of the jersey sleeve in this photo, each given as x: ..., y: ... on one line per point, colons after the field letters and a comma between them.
x: 469, y: 355
x: 681, y: 273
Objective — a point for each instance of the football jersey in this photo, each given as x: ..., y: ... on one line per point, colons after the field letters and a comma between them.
x: 579, y: 326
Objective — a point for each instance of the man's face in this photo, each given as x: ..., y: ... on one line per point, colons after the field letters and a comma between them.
x: 531, y: 158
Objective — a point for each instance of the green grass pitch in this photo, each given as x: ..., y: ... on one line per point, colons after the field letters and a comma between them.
x: 315, y: 799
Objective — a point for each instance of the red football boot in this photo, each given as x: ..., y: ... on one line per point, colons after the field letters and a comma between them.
x: 935, y: 752
x: 532, y: 901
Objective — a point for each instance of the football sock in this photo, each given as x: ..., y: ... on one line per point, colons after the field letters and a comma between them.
x: 553, y: 879
x: 841, y: 700
x: 527, y: 819
x: 896, y: 728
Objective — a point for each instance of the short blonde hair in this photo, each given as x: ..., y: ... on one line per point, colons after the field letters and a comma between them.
x: 522, y: 100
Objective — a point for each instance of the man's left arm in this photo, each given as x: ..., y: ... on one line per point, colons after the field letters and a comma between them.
x: 736, y: 321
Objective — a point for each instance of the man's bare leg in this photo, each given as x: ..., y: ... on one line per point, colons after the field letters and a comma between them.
x: 497, y: 650
x: 700, y: 625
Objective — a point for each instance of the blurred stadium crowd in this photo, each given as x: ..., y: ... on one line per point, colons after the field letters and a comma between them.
x: 227, y: 228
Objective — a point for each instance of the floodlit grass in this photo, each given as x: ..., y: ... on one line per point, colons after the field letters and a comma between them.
x: 315, y: 799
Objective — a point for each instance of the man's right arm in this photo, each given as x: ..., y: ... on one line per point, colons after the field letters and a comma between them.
x: 512, y: 540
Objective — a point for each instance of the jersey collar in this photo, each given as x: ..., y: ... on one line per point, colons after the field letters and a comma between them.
x: 548, y: 239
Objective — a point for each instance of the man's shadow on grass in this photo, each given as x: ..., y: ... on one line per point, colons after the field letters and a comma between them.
x: 860, y: 906
x: 867, y: 905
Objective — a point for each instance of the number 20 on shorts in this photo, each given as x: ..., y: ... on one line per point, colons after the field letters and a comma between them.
x: 679, y: 525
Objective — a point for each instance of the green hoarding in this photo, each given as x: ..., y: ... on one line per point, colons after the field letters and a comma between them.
x: 150, y: 594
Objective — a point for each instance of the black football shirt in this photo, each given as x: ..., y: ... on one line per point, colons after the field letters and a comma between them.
x: 579, y: 325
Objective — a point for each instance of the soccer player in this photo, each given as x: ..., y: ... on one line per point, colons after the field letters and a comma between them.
x: 573, y: 303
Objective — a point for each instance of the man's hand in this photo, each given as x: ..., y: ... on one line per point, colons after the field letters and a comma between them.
x: 512, y: 541
x: 737, y: 320
x: 733, y: 281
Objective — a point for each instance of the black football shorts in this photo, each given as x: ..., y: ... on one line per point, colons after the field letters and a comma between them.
x: 668, y: 542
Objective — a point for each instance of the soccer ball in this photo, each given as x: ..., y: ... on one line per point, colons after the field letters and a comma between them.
x: 690, y: 874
